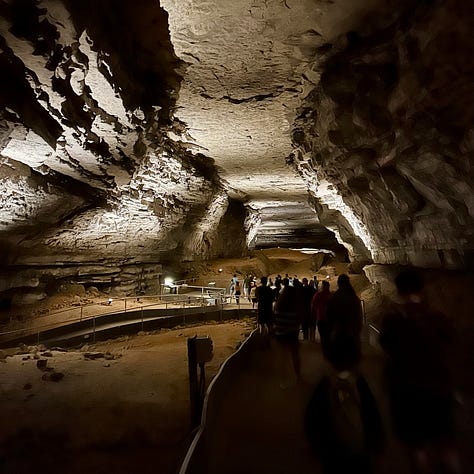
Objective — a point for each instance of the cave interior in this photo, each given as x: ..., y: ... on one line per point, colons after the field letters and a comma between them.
x: 137, y: 135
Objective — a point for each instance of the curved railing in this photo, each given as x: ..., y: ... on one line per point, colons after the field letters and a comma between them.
x: 209, y: 296
x: 196, y: 457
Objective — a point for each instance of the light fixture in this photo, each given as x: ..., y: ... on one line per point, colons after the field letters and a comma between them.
x: 169, y: 281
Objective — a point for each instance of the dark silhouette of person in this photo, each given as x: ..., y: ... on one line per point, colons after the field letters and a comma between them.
x: 318, y: 314
x: 417, y: 340
x: 287, y: 323
x: 314, y: 283
x: 343, y: 424
x: 264, y: 296
x: 306, y: 296
x: 278, y: 284
x: 342, y: 420
x: 344, y: 326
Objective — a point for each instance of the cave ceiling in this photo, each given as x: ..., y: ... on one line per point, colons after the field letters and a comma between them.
x: 130, y: 127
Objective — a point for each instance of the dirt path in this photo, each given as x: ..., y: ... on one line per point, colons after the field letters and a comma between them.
x: 134, y: 397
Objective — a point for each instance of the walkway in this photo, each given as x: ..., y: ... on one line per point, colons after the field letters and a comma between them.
x: 257, y: 421
x: 138, y: 309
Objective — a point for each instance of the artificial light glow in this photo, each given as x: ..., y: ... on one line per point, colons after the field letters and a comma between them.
x: 309, y: 251
x: 169, y: 281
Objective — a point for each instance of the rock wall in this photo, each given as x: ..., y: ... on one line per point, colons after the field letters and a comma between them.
x: 384, y: 139
x: 98, y: 182
x: 231, y: 236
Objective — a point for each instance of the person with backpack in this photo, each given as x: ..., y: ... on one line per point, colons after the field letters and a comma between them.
x: 343, y: 424
x: 342, y: 420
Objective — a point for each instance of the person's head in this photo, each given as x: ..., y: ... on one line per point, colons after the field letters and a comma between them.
x: 325, y: 285
x: 409, y: 282
x: 343, y: 281
x: 305, y: 282
x: 286, y: 282
x: 263, y: 281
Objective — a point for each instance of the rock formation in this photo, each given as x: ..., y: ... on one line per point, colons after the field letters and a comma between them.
x: 384, y: 139
x: 140, y: 134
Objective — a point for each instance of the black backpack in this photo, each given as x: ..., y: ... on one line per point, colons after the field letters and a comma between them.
x: 342, y: 418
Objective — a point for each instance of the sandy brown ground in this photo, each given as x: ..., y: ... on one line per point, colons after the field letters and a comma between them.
x: 116, y: 414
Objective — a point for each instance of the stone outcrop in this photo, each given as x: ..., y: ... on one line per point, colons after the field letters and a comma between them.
x: 384, y: 139
x: 94, y: 189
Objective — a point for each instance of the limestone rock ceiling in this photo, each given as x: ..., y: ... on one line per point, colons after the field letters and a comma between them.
x: 246, y: 61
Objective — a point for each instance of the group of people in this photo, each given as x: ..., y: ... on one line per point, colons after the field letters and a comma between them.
x: 415, y: 339
x: 248, y: 286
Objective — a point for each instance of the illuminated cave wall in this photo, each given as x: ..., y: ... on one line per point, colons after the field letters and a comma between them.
x: 97, y: 180
x: 385, y: 139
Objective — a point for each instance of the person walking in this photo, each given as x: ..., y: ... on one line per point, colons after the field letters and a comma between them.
x: 318, y: 315
x: 287, y: 324
x: 344, y: 326
x: 237, y: 291
x: 264, y: 297
x: 419, y: 341
x: 306, y: 296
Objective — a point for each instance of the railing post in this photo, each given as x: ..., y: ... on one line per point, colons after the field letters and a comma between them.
x: 82, y: 311
x: 93, y: 328
x: 125, y: 304
x: 142, y: 317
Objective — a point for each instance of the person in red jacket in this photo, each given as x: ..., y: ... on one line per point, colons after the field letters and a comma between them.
x: 318, y: 313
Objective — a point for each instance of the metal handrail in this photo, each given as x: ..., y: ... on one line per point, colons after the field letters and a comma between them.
x: 179, y: 298
x: 373, y: 328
